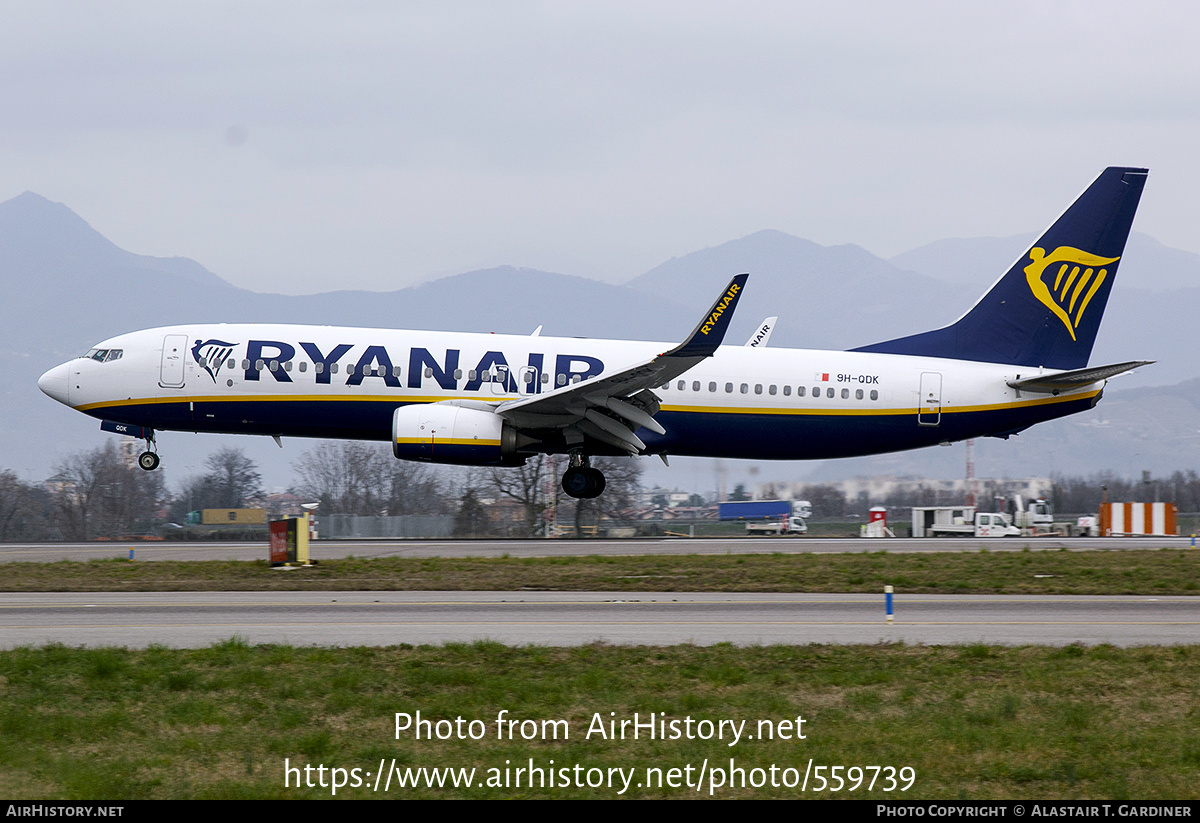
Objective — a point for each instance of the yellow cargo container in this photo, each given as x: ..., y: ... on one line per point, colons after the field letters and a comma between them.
x: 233, y: 517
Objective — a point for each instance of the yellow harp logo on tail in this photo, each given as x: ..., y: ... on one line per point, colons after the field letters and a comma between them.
x: 1076, y: 281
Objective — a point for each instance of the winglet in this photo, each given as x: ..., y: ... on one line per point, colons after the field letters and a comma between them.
x: 709, y: 333
x: 762, y: 334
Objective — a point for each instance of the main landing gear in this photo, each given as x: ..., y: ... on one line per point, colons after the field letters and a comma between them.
x: 580, y: 480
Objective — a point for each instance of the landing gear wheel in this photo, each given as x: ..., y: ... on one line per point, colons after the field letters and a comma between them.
x: 148, y: 461
x: 575, y: 481
x: 583, y: 482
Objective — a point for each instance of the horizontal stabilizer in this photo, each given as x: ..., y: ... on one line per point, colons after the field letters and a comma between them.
x: 1067, y: 380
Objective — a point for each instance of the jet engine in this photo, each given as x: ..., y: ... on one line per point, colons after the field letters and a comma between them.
x: 445, y: 433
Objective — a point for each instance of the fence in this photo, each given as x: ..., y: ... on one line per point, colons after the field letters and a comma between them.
x: 343, y: 526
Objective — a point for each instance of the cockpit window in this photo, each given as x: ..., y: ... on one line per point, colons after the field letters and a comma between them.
x: 98, y: 354
x: 104, y: 355
x: 114, y: 354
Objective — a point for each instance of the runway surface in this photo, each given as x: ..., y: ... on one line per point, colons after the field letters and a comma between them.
x: 330, y: 549
x: 189, y: 620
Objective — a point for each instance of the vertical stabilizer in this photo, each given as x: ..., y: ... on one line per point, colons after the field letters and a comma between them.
x: 1046, y: 310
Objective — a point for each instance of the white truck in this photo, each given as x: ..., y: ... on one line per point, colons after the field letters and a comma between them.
x: 768, y: 516
x: 1036, y: 516
x: 961, y: 521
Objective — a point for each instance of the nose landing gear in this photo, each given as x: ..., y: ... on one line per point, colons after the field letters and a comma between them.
x: 148, y: 459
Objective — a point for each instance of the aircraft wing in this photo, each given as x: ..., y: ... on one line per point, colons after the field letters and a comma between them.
x: 605, y: 408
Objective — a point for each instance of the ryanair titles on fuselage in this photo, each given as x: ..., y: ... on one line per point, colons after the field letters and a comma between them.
x: 263, y: 359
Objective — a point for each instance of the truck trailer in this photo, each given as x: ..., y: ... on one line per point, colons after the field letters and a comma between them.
x: 768, y: 516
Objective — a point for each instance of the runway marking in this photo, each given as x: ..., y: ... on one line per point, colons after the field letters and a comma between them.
x: 593, y: 623
x: 942, y: 600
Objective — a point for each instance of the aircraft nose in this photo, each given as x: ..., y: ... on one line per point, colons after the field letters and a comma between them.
x: 56, y: 382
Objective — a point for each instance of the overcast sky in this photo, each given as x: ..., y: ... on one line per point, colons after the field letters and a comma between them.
x: 301, y: 147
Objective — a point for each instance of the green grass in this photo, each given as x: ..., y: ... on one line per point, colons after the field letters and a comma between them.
x: 1158, y: 572
x: 973, y: 722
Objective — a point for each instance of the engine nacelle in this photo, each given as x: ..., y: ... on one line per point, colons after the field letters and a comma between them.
x: 442, y: 433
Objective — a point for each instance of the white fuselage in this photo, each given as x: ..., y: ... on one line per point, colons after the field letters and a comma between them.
x: 326, y: 381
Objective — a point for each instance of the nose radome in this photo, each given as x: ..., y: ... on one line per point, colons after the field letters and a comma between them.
x: 56, y: 382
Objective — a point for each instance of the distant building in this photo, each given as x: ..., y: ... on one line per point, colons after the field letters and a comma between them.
x: 664, y: 498
x: 883, y: 487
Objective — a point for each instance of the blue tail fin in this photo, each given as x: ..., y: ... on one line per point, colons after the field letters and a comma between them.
x: 1046, y: 310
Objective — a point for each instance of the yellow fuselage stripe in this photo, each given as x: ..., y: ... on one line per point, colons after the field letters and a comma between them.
x: 812, y: 410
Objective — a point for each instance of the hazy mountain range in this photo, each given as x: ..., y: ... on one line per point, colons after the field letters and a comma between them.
x: 67, y: 287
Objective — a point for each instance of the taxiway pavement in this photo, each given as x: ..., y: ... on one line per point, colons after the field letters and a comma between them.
x: 196, y: 619
x: 331, y: 549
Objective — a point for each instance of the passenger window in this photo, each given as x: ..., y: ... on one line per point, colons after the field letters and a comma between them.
x: 771, y: 389
x: 561, y: 380
x: 287, y: 365
x: 303, y: 366
x: 712, y: 386
x: 230, y: 364
x: 429, y: 371
x: 681, y: 385
x: 758, y: 388
x: 787, y: 391
x: 817, y: 391
x: 874, y: 394
x: 800, y: 391
x: 858, y: 395
x: 695, y: 385
x: 829, y: 392
x: 666, y: 387
x: 545, y: 377
x: 728, y: 388
x: 845, y: 394
x: 745, y: 388
x: 458, y: 374
x: 259, y: 365
x: 246, y: 365
x: 333, y: 368
x: 319, y: 368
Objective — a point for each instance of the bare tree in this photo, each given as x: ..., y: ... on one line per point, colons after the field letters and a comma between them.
x: 234, y: 477
x: 622, y: 477
x: 98, y: 494
x: 525, y: 485
x: 350, y: 477
x: 25, y: 511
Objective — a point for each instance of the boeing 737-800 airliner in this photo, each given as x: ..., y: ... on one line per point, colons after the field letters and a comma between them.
x: 1018, y: 357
